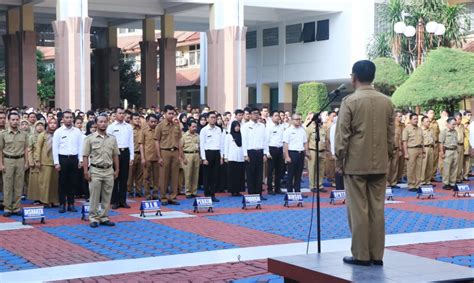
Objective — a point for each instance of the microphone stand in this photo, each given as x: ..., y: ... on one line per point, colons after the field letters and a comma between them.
x: 316, y: 118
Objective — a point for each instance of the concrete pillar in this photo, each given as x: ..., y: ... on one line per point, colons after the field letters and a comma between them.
x: 226, y: 56
x: 107, y: 74
x: 285, y: 96
x: 72, y: 55
x: 148, y: 49
x: 264, y: 94
x: 167, y: 55
x: 20, y: 57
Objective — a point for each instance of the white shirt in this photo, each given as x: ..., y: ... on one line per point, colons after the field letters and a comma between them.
x: 295, y: 138
x: 232, y: 152
x: 253, y: 136
x: 471, y: 134
x: 67, y: 141
x: 211, y: 139
x: 123, y: 132
x: 273, y: 136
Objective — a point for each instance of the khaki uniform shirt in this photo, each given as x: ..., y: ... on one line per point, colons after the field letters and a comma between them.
x: 13, y: 143
x: 449, y: 139
x: 168, y: 135
x: 44, y: 149
x: 136, y: 136
x: 101, y: 149
x: 190, y: 142
x: 364, y: 133
x: 323, y: 137
x: 435, y: 130
x: 428, y: 138
x: 147, y: 139
x: 397, y: 139
x: 460, y: 131
x: 442, y: 123
x: 413, y: 135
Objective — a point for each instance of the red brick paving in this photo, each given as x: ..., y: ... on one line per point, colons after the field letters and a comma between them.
x: 45, y: 250
x: 229, y: 233
x: 196, y: 274
x: 438, y: 249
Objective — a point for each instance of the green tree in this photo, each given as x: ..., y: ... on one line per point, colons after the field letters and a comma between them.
x: 388, y: 76
x: 46, y: 79
x: 3, y: 88
x: 130, y: 88
x: 311, y: 96
x: 379, y: 46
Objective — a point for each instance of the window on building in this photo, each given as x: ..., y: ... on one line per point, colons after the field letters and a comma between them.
x: 251, y: 39
x: 270, y: 37
x: 308, y: 32
x: 293, y: 33
x: 322, y: 32
x: 122, y: 30
x: 194, y: 54
x: 470, y: 7
x: 380, y: 26
x: 131, y: 30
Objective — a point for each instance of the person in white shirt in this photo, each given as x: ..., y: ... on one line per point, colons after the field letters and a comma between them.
x: 211, y: 146
x: 67, y: 158
x: 123, y: 132
x: 295, y: 148
x: 253, y: 143
x: 274, y: 153
x: 234, y: 157
x: 238, y: 116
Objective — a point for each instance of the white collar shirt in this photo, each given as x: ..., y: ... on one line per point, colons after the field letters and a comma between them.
x: 211, y: 138
x: 123, y: 132
x: 273, y: 136
x: 295, y: 138
x: 67, y: 141
x: 253, y: 136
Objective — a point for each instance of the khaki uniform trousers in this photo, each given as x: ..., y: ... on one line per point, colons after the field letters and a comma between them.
x: 450, y: 167
x: 135, y: 176
x: 459, y: 174
x: 435, y: 160
x: 330, y: 165
x: 427, y: 166
x: 151, y: 177
x: 414, y: 166
x: 13, y: 181
x: 169, y: 174
x: 365, y: 198
x: 191, y: 173
x: 402, y: 167
x: 100, y: 188
x: 393, y: 167
x: 312, y: 169
x: 467, y: 166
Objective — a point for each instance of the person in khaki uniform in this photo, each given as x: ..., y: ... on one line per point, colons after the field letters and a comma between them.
x: 394, y: 161
x: 412, y: 138
x: 34, y: 192
x: 363, y: 145
x: 191, y: 160
x: 136, y: 171
x: 428, y: 145
x: 467, y: 147
x: 323, y: 149
x: 460, y: 131
x: 448, y: 152
x: 149, y: 158
x: 442, y: 124
x: 102, y: 151
x: 402, y: 166
x: 170, y: 154
x: 435, y: 130
x: 13, y: 163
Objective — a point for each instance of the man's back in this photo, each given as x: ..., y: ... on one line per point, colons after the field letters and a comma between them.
x: 365, y: 130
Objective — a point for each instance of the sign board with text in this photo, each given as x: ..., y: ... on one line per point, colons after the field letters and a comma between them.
x: 35, y: 212
x: 426, y: 191
x: 251, y: 201
x: 203, y: 203
x: 462, y: 190
x: 150, y: 206
x: 293, y: 198
x: 337, y: 195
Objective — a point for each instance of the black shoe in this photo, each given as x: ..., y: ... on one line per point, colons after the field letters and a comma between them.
x: 304, y: 196
x: 62, y: 208
x: 71, y: 208
x: 214, y: 199
x: 413, y: 190
x: 107, y: 223
x: 189, y: 196
x: 271, y: 193
x: 195, y: 196
x: 164, y: 203
x: 94, y: 224
x: 352, y: 260
x: 278, y: 192
x: 125, y: 205
x: 377, y: 262
x: 395, y: 187
x: 452, y: 187
x: 7, y: 214
x: 446, y: 187
x: 18, y: 213
x: 323, y: 190
x: 263, y: 198
x: 115, y: 206
x: 173, y: 202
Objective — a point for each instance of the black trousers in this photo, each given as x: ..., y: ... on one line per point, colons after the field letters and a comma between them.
x: 236, y: 176
x: 223, y: 184
x: 119, y: 194
x: 254, y: 170
x: 67, y: 175
x: 275, y: 164
x: 295, y: 170
x: 210, y: 174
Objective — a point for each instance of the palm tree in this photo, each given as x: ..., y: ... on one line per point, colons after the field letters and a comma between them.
x: 457, y: 22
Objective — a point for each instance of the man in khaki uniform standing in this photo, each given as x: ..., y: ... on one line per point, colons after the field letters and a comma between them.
x: 323, y: 149
x: 136, y: 171
x: 191, y: 160
x: 13, y: 163
x: 412, y: 138
x: 435, y: 130
x: 442, y: 124
x: 448, y: 152
x: 460, y: 131
x: 428, y: 145
x: 170, y: 155
x: 365, y: 130
x: 102, y: 151
x: 149, y: 158
x: 393, y: 164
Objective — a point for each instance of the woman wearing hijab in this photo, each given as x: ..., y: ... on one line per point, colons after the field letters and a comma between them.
x: 202, y: 122
x: 91, y: 127
x: 234, y: 157
x: 48, y: 177
x: 34, y: 192
x: 183, y: 120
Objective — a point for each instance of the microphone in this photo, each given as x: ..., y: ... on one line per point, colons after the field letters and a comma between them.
x: 338, y: 89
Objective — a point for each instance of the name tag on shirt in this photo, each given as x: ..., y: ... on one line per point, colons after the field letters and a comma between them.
x: 209, y: 136
x: 64, y: 137
x: 116, y: 131
x: 275, y: 132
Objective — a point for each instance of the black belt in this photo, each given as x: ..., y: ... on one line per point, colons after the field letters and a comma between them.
x: 256, y: 150
x: 460, y: 144
x: 191, y: 152
x: 137, y: 152
x: 296, y: 151
x: 416, y: 146
x: 446, y: 148
x: 124, y: 149
x: 430, y: 145
x: 68, y: 156
x: 321, y: 150
x: 13, y: 156
x: 275, y: 147
x: 170, y: 149
x: 101, y: 167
